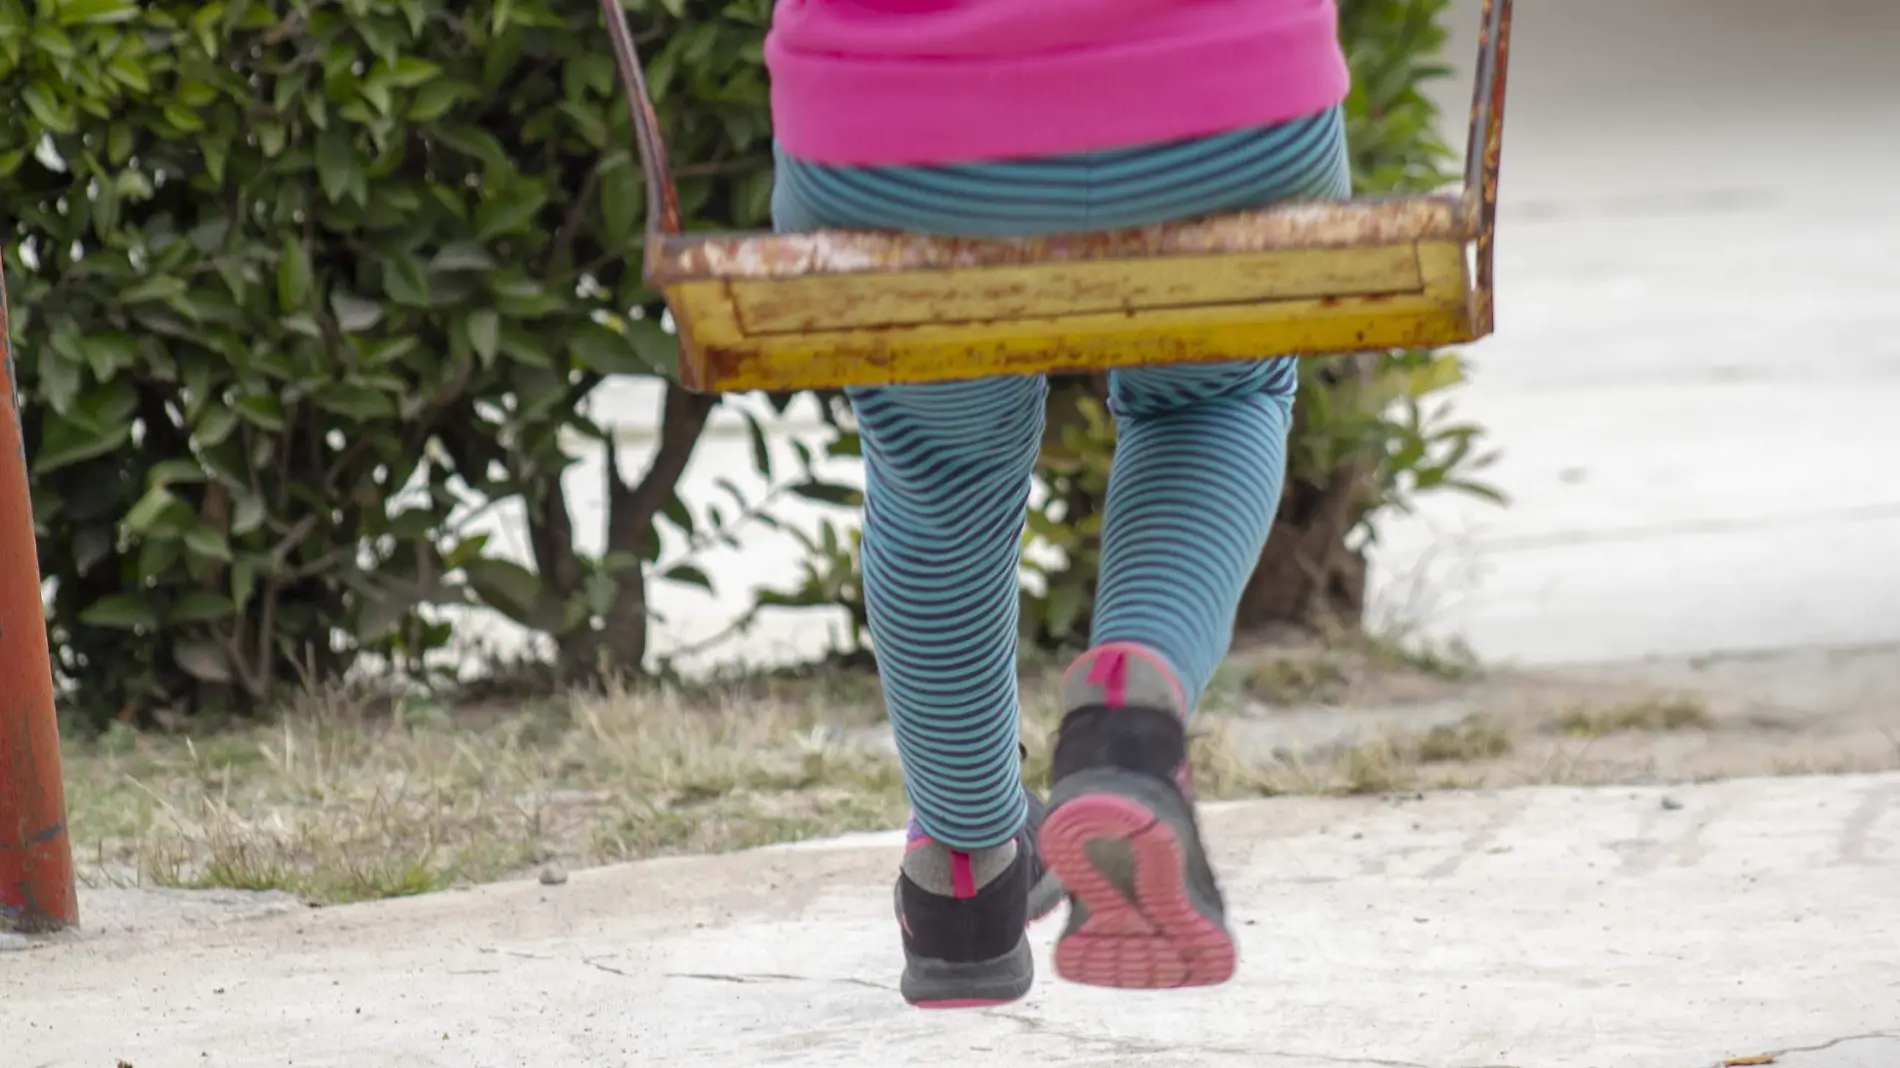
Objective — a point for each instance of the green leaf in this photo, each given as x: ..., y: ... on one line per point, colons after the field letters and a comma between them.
x: 405, y: 281
x: 462, y: 256
x: 215, y: 426
x: 96, y: 12
x: 52, y: 41
x: 243, y: 581
x: 658, y: 349
x: 121, y: 611
x: 606, y: 351
x: 182, y: 118
x: 216, y: 152
x: 509, y: 213
x: 761, y: 454
x: 144, y: 515
x: 621, y: 202
x: 293, y: 276
x: 91, y: 545
x: 42, y: 100
x: 157, y: 289
x: 200, y: 606
x: 247, y: 516
x: 208, y: 544
x: 167, y: 472
x: 262, y: 411
x: 484, y: 333
x: 108, y: 354
x: 435, y: 99
x: 59, y: 381
x: 361, y: 403
x: 515, y: 592
x: 354, y: 314
x: 336, y: 164
x: 827, y: 493
x: 523, y: 346
x: 689, y: 575
x: 203, y: 659
x: 128, y: 73
x: 156, y: 555
x: 376, y: 94
x: 64, y: 443
x: 410, y: 72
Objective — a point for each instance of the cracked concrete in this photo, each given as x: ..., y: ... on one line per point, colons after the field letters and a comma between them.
x: 1538, y: 928
x: 1876, y: 1050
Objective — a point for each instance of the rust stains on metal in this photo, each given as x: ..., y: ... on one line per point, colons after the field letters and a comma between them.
x: 1349, y: 224
x: 1485, y: 148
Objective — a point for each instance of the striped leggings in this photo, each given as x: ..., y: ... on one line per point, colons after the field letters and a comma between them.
x: 1192, y: 494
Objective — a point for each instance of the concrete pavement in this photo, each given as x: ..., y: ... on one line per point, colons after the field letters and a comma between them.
x: 1548, y: 928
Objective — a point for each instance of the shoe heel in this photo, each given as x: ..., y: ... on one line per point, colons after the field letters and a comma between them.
x: 935, y: 984
x: 1145, y: 912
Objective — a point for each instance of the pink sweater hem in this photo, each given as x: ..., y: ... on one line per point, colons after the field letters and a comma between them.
x: 867, y: 111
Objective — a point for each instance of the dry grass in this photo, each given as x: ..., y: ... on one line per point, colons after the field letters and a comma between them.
x: 348, y: 797
x: 351, y: 796
x: 1297, y: 680
x: 1476, y: 739
x: 1667, y: 713
x: 337, y: 804
x: 1344, y: 669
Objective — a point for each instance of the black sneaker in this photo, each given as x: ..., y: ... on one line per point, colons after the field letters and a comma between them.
x: 1120, y: 835
x: 963, y: 916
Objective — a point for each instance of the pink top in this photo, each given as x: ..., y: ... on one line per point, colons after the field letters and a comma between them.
x: 868, y: 82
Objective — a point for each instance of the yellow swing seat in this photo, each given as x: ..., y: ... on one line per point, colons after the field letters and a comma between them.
x: 835, y: 308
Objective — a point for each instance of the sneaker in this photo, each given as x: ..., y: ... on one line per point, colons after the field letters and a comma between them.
x: 963, y: 916
x: 1121, y: 837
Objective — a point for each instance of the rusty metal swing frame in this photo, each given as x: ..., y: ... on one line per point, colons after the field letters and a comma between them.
x: 837, y: 308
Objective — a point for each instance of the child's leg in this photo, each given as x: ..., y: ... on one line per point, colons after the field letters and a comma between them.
x: 1196, y: 482
x: 947, y: 471
x: 1199, y: 463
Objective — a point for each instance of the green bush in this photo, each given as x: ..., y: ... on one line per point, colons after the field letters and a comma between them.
x: 298, y: 284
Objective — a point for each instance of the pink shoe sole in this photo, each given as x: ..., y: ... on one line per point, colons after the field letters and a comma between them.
x: 1128, y: 870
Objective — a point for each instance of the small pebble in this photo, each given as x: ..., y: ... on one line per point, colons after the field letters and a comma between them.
x: 553, y: 875
x: 1671, y: 804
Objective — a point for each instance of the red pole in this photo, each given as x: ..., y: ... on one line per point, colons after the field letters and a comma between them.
x: 36, y: 857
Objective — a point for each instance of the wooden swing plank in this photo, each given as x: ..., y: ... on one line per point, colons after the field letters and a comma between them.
x: 1431, y: 305
x: 1000, y: 294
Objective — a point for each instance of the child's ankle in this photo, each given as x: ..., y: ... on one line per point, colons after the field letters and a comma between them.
x: 951, y: 872
x: 1123, y: 675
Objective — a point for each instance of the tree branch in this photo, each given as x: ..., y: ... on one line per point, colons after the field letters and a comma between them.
x: 630, y: 510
